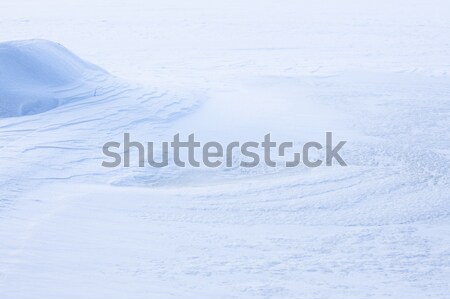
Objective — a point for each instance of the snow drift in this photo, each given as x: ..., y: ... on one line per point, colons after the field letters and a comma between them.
x: 40, y: 75
x: 378, y: 228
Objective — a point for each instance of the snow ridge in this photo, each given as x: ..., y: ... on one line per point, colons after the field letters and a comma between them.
x: 39, y: 75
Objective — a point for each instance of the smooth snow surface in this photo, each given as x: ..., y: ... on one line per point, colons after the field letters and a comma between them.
x: 375, y: 74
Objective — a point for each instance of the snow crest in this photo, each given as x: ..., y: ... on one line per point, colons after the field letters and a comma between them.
x: 39, y: 75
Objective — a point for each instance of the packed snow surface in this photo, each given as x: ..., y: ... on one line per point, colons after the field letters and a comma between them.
x: 375, y: 75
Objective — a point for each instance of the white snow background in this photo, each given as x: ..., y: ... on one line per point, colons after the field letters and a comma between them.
x: 77, y: 74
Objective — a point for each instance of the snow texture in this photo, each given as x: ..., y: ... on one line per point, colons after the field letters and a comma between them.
x: 375, y: 74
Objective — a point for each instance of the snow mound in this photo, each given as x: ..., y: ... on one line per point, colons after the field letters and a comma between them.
x: 40, y: 75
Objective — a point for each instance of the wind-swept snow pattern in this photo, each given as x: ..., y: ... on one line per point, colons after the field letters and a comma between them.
x: 76, y: 107
x: 378, y: 78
